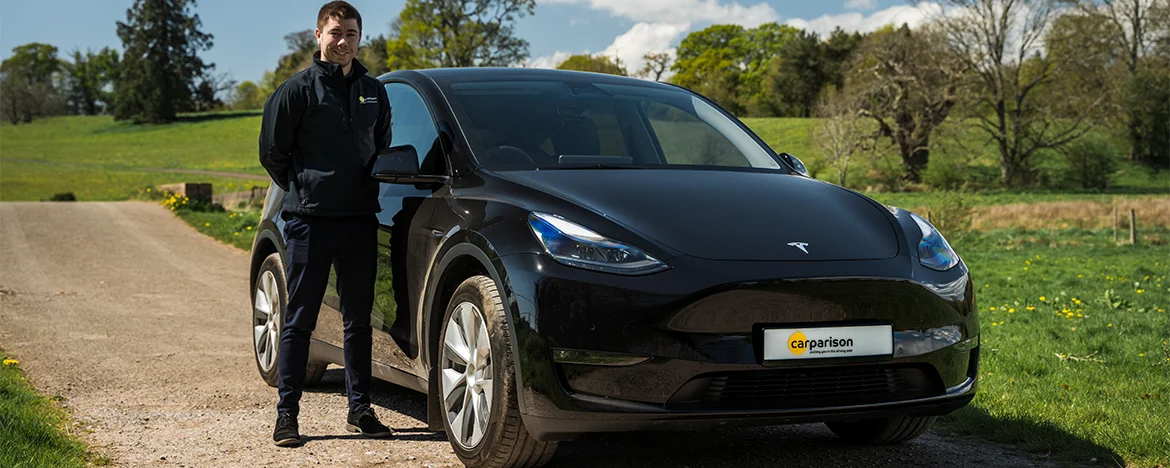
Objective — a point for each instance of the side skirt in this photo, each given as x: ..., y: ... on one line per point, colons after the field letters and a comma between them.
x: 321, y: 351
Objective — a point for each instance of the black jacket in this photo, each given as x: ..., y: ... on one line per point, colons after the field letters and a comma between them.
x: 319, y: 136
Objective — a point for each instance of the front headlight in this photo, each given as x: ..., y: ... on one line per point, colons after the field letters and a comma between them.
x: 933, y: 250
x: 574, y: 245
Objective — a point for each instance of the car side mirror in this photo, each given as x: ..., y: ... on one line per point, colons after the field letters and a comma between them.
x: 399, y: 165
x: 795, y: 163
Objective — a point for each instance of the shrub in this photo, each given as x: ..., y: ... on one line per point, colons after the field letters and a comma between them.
x: 950, y: 212
x: 1091, y: 160
x: 65, y: 196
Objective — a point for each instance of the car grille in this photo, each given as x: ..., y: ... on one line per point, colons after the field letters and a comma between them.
x: 807, y: 388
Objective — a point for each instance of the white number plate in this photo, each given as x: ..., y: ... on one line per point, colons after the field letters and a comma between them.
x: 828, y: 342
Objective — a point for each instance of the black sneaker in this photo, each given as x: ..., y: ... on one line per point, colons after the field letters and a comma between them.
x: 365, y: 423
x: 286, y: 433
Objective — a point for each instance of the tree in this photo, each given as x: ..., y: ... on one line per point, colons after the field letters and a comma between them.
x: 373, y: 56
x: 1001, y: 43
x: 656, y: 65
x: 29, y: 89
x: 301, y: 45
x: 709, y: 63
x: 161, y: 68
x: 88, y: 80
x: 249, y: 95
x: 457, y: 33
x: 838, y: 52
x: 1134, y: 27
x: 840, y: 135
x: 593, y: 63
x: 795, y: 76
x: 907, y: 82
x: 757, y: 49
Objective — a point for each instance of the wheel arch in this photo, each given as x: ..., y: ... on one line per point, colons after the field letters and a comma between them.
x: 469, y: 255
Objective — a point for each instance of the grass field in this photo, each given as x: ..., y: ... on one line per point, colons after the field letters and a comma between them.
x: 1075, y: 360
x: 33, y: 427
x: 100, y: 159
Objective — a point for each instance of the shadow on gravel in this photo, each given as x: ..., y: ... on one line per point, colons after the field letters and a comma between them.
x: 1037, y: 436
x: 805, y: 445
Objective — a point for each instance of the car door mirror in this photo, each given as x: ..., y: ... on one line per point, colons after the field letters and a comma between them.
x: 399, y: 165
x: 794, y: 163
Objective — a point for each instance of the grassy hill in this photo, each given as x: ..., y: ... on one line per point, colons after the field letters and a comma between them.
x: 99, y: 159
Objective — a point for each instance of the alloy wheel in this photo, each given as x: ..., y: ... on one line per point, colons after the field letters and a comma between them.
x: 265, y: 315
x: 466, y: 375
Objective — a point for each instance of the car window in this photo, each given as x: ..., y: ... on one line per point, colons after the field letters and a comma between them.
x: 687, y: 140
x: 411, y: 124
x: 537, y: 124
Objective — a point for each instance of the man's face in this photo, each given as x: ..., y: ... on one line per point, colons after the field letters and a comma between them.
x: 339, y: 40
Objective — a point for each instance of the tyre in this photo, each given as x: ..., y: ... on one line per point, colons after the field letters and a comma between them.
x: 890, y: 430
x: 477, y: 386
x: 269, y: 300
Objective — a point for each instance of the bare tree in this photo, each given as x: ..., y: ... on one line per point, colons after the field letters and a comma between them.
x: 1002, y: 43
x: 908, y: 83
x: 840, y: 135
x: 656, y: 65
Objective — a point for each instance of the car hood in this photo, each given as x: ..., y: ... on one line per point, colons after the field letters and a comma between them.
x: 728, y: 215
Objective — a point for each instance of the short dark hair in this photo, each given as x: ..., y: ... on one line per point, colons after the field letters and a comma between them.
x: 341, y: 11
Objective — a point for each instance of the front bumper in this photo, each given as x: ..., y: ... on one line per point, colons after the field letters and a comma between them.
x: 693, y: 334
x: 607, y: 415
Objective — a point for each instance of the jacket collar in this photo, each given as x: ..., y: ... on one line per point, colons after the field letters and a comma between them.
x: 334, y: 72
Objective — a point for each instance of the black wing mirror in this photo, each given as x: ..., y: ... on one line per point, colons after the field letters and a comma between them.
x: 399, y: 165
x: 794, y: 163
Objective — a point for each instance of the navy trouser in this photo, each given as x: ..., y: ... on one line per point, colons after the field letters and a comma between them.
x: 312, y: 246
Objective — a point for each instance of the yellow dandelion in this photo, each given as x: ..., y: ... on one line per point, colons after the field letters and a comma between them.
x: 1141, y: 291
x: 1141, y: 354
x: 237, y: 233
x: 994, y: 324
x: 1110, y: 325
x: 206, y: 224
x: 1042, y: 299
x: 991, y: 308
x: 11, y: 362
x: 1030, y: 308
x: 1011, y: 310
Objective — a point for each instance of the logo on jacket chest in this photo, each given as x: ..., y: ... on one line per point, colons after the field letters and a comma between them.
x: 367, y: 100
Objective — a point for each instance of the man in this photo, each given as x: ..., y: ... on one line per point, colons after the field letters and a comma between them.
x: 320, y: 133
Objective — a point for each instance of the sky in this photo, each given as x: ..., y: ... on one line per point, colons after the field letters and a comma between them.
x: 249, y: 34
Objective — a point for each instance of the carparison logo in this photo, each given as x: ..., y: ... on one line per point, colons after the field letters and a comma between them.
x: 799, y: 344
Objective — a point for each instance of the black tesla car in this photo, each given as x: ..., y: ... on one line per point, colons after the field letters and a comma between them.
x: 563, y: 253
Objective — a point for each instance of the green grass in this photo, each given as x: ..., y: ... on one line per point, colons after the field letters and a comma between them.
x: 32, y: 427
x: 21, y: 181
x: 1075, y: 354
x: 97, y: 158
x: 237, y: 229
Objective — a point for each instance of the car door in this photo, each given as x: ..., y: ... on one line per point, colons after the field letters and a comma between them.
x: 405, y: 231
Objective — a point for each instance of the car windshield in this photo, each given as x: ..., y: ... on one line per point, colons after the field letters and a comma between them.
x: 529, y: 125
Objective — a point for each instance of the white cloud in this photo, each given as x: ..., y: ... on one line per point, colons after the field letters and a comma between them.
x: 683, y: 11
x: 860, y: 4
x: 549, y: 61
x: 853, y: 21
x: 642, y: 39
x: 629, y: 47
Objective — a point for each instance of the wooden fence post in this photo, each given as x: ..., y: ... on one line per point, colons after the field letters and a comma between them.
x: 1132, y: 226
x: 1116, y: 221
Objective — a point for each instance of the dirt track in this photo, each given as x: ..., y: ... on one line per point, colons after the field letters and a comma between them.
x: 141, y: 324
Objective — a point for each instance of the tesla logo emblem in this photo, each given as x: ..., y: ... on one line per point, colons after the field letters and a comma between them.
x: 799, y: 245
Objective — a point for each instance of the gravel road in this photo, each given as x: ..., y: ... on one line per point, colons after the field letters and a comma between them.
x: 141, y: 325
